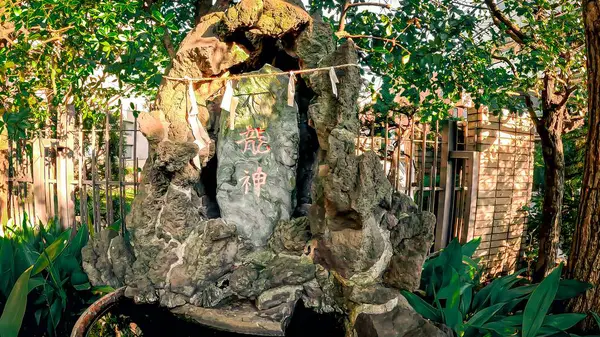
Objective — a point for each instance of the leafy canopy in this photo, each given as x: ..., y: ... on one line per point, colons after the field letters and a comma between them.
x: 432, y: 52
x: 59, y: 52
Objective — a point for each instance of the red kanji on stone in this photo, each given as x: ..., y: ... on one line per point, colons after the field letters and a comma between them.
x: 254, y: 140
x: 259, y: 178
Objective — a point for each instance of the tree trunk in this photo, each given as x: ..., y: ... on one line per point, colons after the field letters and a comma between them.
x: 554, y: 179
x: 585, y: 253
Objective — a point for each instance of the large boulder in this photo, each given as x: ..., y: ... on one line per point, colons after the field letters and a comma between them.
x: 399, y: 322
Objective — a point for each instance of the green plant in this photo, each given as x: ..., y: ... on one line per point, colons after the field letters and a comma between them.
x: 507, y: 306
x: 42, y: 279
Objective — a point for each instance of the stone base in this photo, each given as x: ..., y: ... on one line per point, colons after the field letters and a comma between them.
x: 241, y: 318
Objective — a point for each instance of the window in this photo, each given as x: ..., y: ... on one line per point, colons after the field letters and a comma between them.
x: 128, y: 151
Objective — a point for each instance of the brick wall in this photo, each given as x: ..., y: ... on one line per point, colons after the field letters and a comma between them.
x: 506, y: 144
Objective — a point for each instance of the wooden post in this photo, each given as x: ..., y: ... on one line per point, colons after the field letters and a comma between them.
x: 409, y: 167
x: 135, y: 160
x: 425, y: 130
x: 107, y: 172
x: 471, y: 185
x: 121, y: 168
x: 39, y: 183
x: 444, y: 213
x: 64, y: 177
x: 83, y: 207
x: 95, y: 198
x: 387, y: 141
x: 432, y: 193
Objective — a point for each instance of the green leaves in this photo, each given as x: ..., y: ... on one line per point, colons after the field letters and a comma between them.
x: 45, y: 270
x: 12, y: 316
x: 66, y: 43
x: 483, y: 316
x: 14, y: 310
x: 455, y: 299
x: 539, y: 303
x: 422, y: 307
x: 563, y: 322
x: 571, y: 288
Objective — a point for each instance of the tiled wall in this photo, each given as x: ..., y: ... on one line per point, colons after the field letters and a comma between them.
x: 506, y: 144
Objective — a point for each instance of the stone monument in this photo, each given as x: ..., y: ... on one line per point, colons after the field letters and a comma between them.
x: 280, y: 209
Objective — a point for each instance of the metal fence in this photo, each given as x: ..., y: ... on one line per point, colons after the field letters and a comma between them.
x: 86, y: 176
x: 433, y: 164
x: 74, y: 174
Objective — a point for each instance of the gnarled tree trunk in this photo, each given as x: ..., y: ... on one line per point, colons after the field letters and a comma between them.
x: 585, y: 254
x: 554, y: 179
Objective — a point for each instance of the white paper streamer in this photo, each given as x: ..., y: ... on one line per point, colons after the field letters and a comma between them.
x: 291, y: 92
x: 226, y: 102
x: 334, y: 80
x: 200, y: 135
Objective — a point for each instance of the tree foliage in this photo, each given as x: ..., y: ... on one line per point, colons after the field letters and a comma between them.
x: 432, y: 52
x: 80, y: 52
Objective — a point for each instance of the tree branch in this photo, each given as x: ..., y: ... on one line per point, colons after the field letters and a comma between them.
x: 168, y: 44
x: 573, y: 123
x: 388, y: 6
x: 509, y: 62
x: 498, y: 17
x: 394, y: 43
x: 530, y: 108
x: 348, y: 5
x: 566, y: 96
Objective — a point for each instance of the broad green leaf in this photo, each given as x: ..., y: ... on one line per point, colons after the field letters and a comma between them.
x: 494, y: 289
x: 51, y: 252
x: 517, y: 292
x: 452, y: 289
x: 571, y: 288
x: 484, y: 315
x: 422, y: 307
x: 79, y: 241
x: 469, y: 248
x: 83, y: 286
x: 501, y: 328
x: 6, y: 266
x: 14, y: 309
x: 465, y: 301
x: 539, y: 303
x: 35, y: 282
x: 563, y: 322
x: 405, y: 58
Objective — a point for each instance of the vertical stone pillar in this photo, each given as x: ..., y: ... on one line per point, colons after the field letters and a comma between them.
x: 506, y: 144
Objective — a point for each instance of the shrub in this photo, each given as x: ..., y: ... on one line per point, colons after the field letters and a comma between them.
x: 507, y: 306
x: 42, y: 281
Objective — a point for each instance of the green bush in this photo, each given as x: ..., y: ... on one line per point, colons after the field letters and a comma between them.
x: 42, y: 282
x: 507, y: 306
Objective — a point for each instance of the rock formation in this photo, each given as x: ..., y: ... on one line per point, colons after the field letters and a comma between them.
x: 290, y: 213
